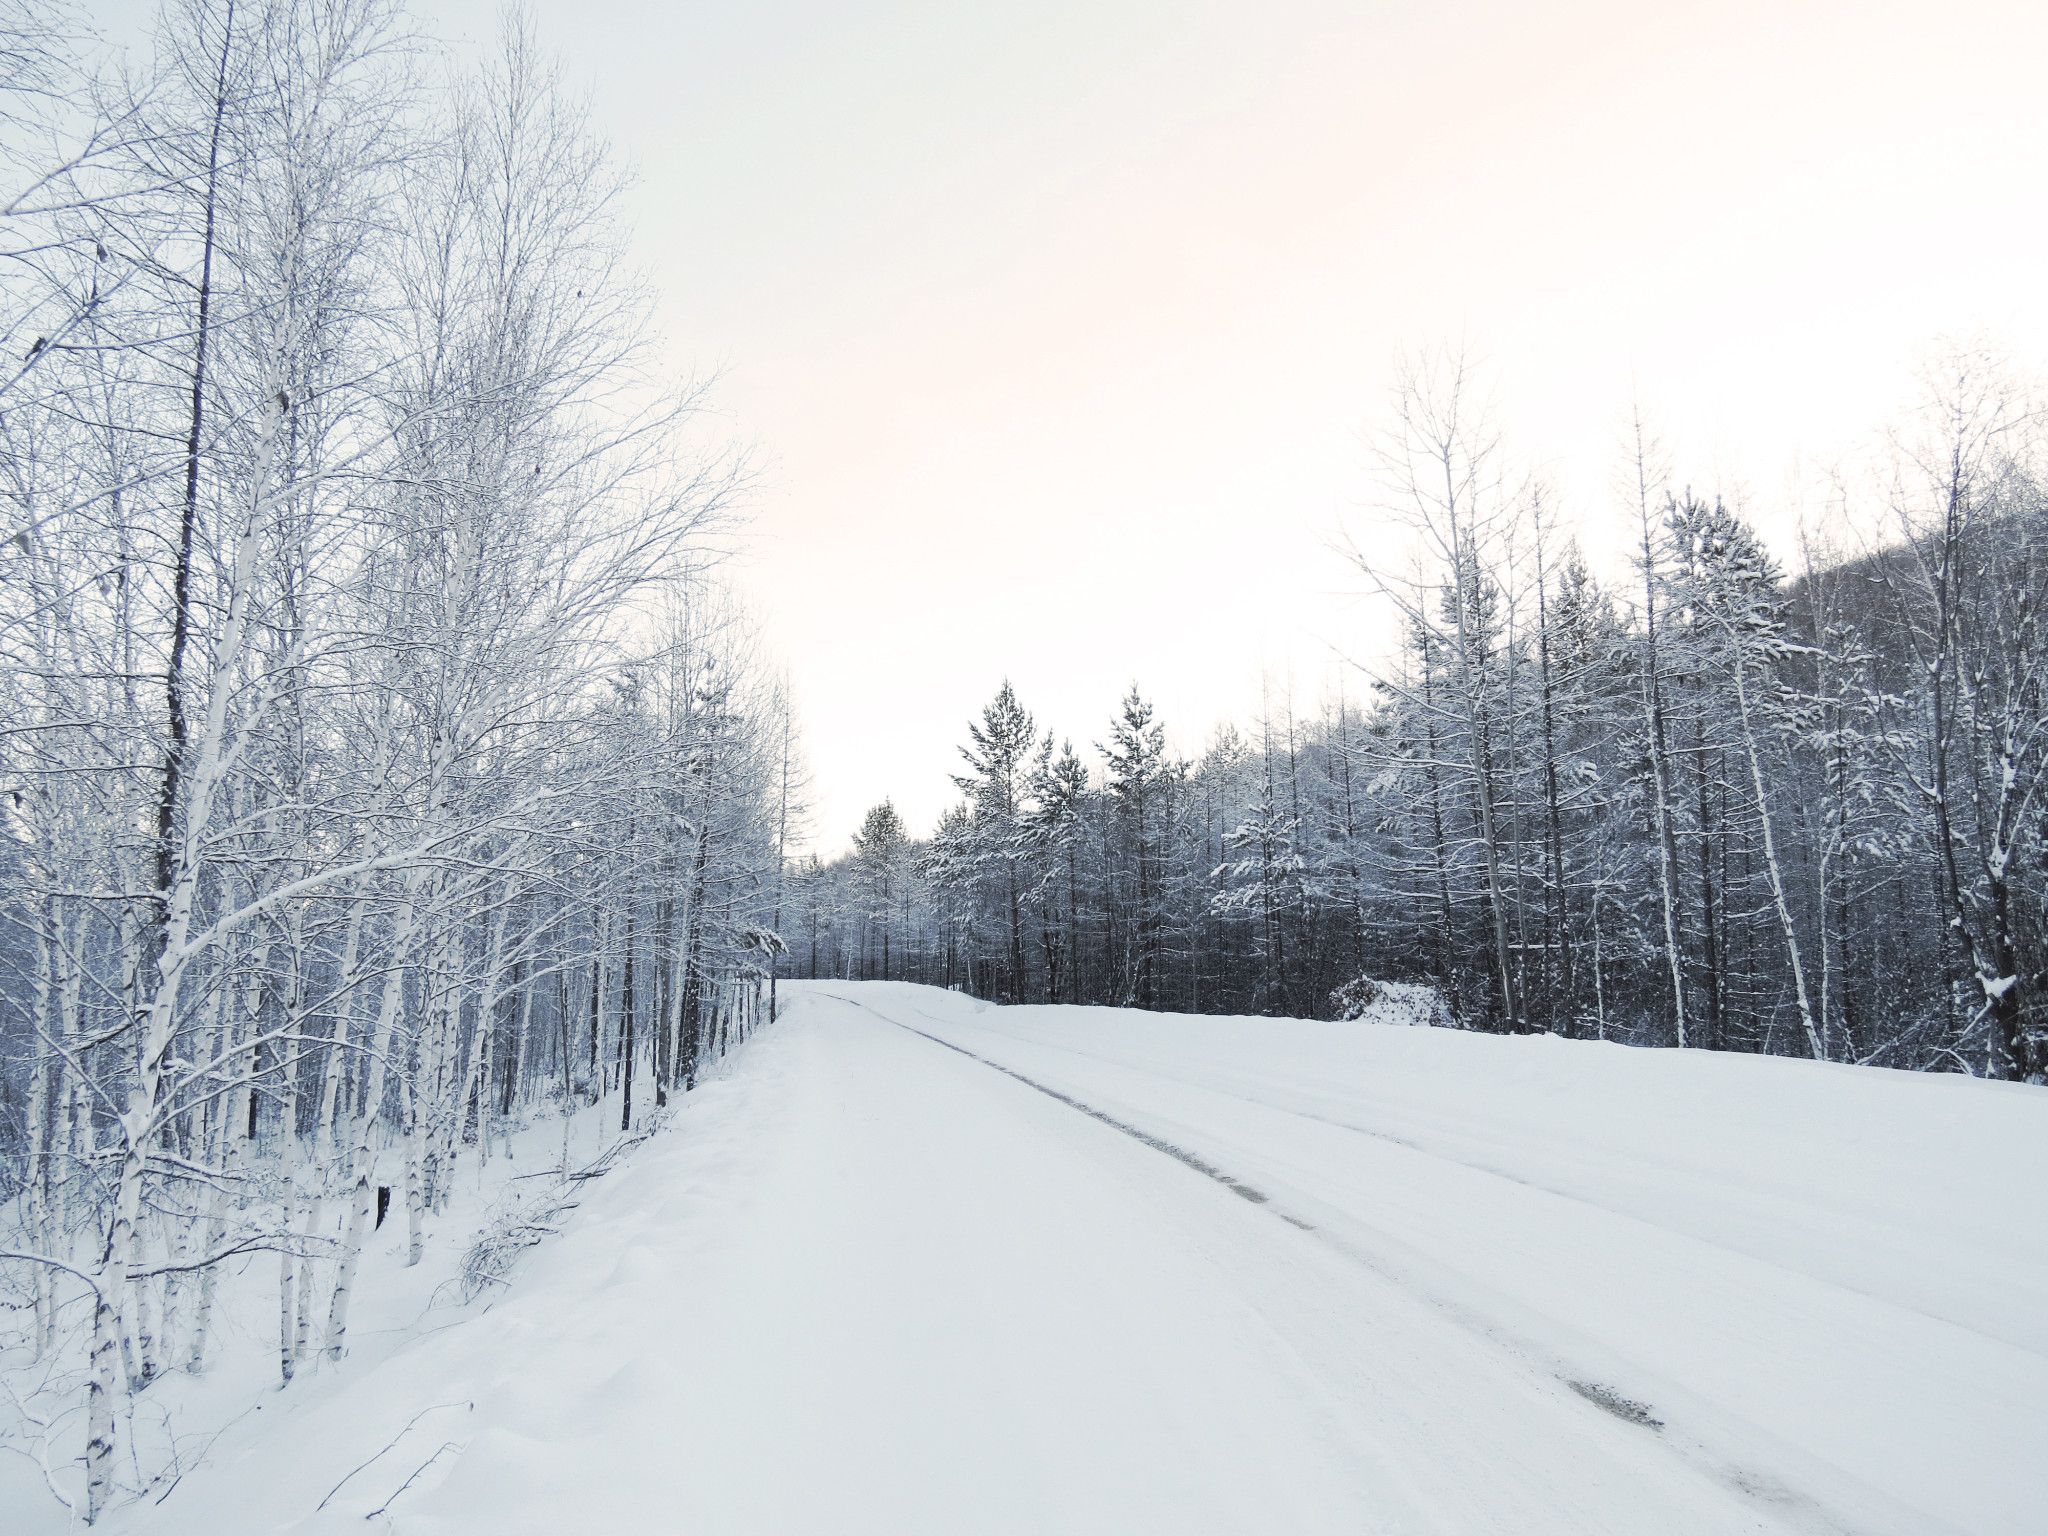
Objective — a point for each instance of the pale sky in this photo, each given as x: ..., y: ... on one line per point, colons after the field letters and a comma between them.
x: 1061, y: 324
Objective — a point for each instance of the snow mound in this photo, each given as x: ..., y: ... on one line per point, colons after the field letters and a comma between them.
x: 1366, y: 1001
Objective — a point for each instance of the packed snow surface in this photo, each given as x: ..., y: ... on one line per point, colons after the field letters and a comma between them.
x: 918, y: 1265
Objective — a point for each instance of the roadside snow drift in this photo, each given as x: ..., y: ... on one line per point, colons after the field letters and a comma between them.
x: 924, y: 1266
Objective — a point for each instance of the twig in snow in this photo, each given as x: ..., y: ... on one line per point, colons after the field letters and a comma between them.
x: 196, y: 1460
x: 41, y: 1454
x: 394, y: 1441
x: 446, y: 1445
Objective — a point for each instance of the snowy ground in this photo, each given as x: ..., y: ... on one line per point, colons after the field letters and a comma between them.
x: 183, y: 1421
x: 1239, y: 1275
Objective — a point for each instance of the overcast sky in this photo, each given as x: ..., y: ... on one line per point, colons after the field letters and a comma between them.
x: 1060, y: 324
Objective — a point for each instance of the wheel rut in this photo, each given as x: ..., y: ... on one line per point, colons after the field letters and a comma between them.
x: 1599, y: 1396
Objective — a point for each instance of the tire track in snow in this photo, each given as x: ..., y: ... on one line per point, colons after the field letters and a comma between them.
x: 1601, y: 1396
x: 1781, y: 1498
x: 1230, y: 1182
x: 1476, y: 1164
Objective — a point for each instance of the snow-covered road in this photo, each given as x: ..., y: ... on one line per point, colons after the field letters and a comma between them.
x: 918, y: 1266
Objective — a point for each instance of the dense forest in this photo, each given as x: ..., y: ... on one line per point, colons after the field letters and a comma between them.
x: 1704, y: 803
x: 381, y: 756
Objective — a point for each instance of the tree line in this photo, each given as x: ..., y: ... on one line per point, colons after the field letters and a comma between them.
x: 379, y: 756
x: 1704, y: 803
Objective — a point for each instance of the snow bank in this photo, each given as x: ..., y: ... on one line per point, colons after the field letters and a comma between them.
x: 183, y: 1421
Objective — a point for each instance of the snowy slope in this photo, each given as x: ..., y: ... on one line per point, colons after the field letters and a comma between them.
x: 869, y: 1283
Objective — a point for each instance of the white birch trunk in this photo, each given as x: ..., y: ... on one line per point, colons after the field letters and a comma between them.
x: 1814, y: 1042
x: 41, y: 1229
x: 362, y: 1193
